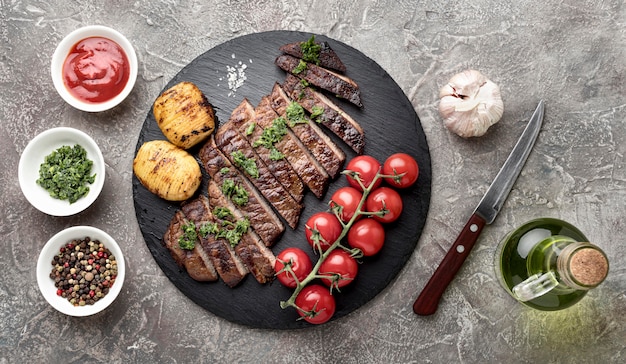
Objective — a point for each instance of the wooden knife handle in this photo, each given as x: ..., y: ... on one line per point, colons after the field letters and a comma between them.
x: 428, y: 300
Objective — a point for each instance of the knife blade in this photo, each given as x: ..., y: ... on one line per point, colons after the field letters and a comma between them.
x: 485, y: 213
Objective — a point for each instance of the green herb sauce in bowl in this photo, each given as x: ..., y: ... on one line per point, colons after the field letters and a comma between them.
x: 61, y: 171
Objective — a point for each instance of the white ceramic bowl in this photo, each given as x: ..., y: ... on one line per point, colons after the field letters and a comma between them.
x: 34, y: 155
x: 62, y: 51
x: 44, y: 268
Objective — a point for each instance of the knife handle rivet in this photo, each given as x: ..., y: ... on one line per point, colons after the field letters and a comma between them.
x: 473, y: 228
x: 460, y: 248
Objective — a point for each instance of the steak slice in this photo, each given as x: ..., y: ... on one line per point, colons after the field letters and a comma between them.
x: 327, y: 153
x: 327, y: 56
x: 306, y: 166
x: 222, y: 255
x: 251, y: 250
x: 262, y: 218
x: 332, y: 117
x: 252, y: 128
x: 337, y: 84
x: 230, y: 142
x: 196, y: 263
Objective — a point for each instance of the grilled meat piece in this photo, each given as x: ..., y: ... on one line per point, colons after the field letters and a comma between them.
x: 262, y: 218
x: 306, y: 166
x: 332, y: 117
x: 197, y: 264
x: 232, y: 144
x: 330, y: 81
x: 251, y: 250
x: 327, y: 56
x: 262, y: 140
x: 327, y: 153
x: 222, y: 255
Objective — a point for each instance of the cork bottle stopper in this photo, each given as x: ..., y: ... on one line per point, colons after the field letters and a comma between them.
x: 588, y: 266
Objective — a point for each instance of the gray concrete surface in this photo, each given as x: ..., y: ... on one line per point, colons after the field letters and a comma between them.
x: 571, y: 53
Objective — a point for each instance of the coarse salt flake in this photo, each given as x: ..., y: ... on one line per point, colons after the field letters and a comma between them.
x: 236, y: 76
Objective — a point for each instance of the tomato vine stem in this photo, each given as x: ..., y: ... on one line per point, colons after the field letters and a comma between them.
x: 314, y: 274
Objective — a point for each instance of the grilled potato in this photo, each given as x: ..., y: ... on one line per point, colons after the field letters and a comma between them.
x: 167, y: 170
x: 184, y: 115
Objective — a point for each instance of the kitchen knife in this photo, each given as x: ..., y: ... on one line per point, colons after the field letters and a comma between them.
x: 485, y: 213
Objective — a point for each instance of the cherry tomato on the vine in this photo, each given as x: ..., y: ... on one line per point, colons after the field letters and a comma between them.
x: 348, y: 199
x: 322, y: 230
x: 401, y: 164
x: 316, y: 304
x: 299, y: 262
x: 384, y: 199
x: 368, y: 235
x: 366, y: 167
x: 339, y: 262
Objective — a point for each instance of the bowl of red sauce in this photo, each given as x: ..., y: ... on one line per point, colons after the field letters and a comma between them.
x: 94, y: 68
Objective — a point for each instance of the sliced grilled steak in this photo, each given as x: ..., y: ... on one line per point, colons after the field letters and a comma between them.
x: 327, y: 56
x: 262, y: 218
x: 329, y: 155
x: 193, y: 260
x: 252, y: 128
x: 231, y: 143
x: 306, y: 166
x: 332, y: 117
x: 222, y: 255
x: 333, y: 82
x: 251, y: 250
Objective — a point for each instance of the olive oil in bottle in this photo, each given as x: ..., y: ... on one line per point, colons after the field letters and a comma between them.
x: 548, y: 264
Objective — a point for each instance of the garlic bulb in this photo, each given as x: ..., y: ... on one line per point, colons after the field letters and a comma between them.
x: 470, y: 104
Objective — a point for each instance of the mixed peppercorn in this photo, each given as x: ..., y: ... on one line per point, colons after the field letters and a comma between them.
x: 83, y: 271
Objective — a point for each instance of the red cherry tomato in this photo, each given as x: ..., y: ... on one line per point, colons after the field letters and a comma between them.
x: 404, y: 167
x: 300, y: 265
x: 368, y: 235
x: 384, y: 199
x: 348, y: 199
x: 365, y: 168
x: 316, y: 304
x: 339, y: 262
x: 322, y: 230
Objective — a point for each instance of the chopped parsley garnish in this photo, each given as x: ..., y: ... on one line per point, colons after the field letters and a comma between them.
x: 247, y: 164
x: 311, y: 51
x: 187, y: 240
x: 236, y: 193
x: 271, y: 136
x: 295, y: 114
x: 301, y: 67
x: 225, y: 170
x: 209, y: 228
x: 316, y: 112
x: 304, y: 84
x: 66, y: 172
x: 276, y: 155
x: 231, y: 231
x: 234, y: 234
x: 222, y: 213
x: 250, y: 129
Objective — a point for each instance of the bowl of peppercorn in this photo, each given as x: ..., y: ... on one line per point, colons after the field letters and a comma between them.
x: 61, y: 171
x: 80, y: 271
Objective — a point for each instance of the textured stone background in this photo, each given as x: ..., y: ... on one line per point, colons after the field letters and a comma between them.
x: 569, y: 52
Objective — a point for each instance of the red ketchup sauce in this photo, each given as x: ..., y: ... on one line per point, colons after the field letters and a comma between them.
x: 96, y: 70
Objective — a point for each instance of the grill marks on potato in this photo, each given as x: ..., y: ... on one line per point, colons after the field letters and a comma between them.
x: 184, y: 115
x: 167, y: 170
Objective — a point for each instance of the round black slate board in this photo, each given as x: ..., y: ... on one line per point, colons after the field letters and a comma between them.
x: 391, y: 125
